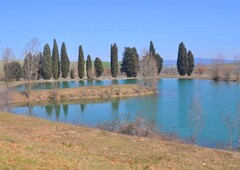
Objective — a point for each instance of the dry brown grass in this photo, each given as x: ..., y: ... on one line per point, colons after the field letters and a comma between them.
x: 32, y: 143
x: 81, y: 93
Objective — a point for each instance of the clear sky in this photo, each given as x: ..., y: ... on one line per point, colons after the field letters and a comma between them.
x: 207, y: 27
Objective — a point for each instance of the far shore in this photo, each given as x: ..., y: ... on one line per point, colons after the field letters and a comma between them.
x: 120, y: 77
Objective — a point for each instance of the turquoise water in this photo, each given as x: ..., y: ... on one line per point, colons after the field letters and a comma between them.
x: 170, y: 109
x: 73, y: 84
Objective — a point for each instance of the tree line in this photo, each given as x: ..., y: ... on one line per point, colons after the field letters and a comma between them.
x: 50, y: 64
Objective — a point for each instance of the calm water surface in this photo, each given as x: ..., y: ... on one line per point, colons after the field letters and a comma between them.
x: 73, y: 84
x: 170, y: 109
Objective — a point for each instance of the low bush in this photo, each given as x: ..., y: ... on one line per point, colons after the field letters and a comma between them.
x: 136, y: 127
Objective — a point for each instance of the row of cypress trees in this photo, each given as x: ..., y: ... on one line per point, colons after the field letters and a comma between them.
x: 50, y: 65
x: 185, y: 61
x: 98, y: 66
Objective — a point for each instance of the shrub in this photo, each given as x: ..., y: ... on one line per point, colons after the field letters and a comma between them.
x: 137, y: 127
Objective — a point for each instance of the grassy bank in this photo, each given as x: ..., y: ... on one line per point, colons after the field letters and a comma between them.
x: 32, y: 143
x: 79, y: 94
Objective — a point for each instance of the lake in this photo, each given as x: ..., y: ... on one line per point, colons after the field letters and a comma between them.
x: 72, y: 84
x: 170, y: 109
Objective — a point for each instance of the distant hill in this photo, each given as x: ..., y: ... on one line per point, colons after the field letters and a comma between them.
x: 205, y: 61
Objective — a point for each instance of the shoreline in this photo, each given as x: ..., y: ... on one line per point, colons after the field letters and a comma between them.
x: 80, y: 94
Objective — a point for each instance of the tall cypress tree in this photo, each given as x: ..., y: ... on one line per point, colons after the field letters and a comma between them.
x: 55, y: 60
x: 80, y: 62
x: 65, y: 63
x: 158, y: 58
x: 182, y: 61
x: 89, y: 67
x: 40, y: 70
x: 152, y: 51
x: 47, y: 63
x: 130, y: 62
x: 136, y: 59
x: 114, y: 60
x: 98, y: 67
x: 190, y: 58
x: 159, y: 62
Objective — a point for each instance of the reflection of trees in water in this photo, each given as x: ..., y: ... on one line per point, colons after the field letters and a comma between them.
x: 30, y: 110
x: 196, y: 118
x: 89, y: 82
x: 115, y: 81
x: 232, y: 124
x: 186, y: 90
x: 115, y: 105
x: 65, y: 84
x: 65, y: 109
x: 57, y: 109
x: 82, y: 107
x: 49, y: 109
x: 81, y: 82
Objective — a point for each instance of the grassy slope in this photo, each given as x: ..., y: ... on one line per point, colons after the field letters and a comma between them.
x: 31, y: 143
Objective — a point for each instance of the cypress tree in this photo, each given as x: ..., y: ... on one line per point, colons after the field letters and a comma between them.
x: 152, y: 51
x: 158, y: 58
x: 190, y: 58
x: 114, y: 60
x: 159, y: 62
x: 55, y: 60
x: 80, y: 62
x: 40, y: 70
x: 89, y: 67
x: 182, y: 62
x: 47, y: 63
x: 65, y: 63
x: 130, y: 62
x: 98, y: 67
x: 136, y: 59
x: 72, y: 75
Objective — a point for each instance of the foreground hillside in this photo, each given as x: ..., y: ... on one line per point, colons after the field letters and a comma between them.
x: 32, y: 143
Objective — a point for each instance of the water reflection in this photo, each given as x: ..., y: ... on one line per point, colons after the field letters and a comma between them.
x: 65, y: 109
x: 82, y: 106
x: 49, y: 109
x: 115, y: 105
x: 57, y: 110
x: 73, y: 84
x: 81, y: 82
x: 65, y: 84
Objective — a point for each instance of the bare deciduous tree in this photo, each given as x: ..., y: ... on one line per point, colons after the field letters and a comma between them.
x: 216, y: 68
x: 31, y: 62
x: 237, y: 125
x: 237, y: 67
x: 7, y: 57
x: 196, y: 118
x: 149, y: 71
x: 227, y: 72
x: 230, y: 124
x: 200, y: 69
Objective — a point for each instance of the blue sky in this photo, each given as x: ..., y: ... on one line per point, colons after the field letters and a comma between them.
x: 207, y: 27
